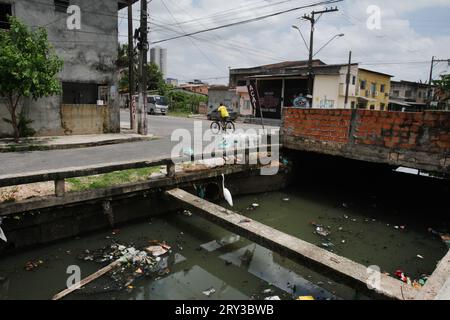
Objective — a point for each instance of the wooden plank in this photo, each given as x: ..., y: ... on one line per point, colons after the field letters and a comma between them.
x: 352, y: 273
x: 87, y: 280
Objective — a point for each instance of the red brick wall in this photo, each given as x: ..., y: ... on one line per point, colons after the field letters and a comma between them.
x: 423, y: 131
x: 317, y: 124
x: 371, y: 135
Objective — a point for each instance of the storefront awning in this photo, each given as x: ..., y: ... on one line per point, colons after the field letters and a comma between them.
x: 367, y: 99
x: 400, y: 103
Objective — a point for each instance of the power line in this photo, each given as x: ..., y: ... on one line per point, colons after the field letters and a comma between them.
x: 190, y: 39
x: 250, y: 20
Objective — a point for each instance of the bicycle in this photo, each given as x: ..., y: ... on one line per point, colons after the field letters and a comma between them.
x: 225, y: 126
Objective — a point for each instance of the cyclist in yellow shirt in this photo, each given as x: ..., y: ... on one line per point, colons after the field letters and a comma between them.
x: 223, y: 111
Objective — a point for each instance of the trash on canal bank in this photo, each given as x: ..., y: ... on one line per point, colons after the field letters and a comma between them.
x: 305, y: 298
x: 274, y: 298
x: 209, y: 292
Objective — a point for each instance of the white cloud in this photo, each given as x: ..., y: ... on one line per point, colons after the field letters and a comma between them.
x: 274, y: 40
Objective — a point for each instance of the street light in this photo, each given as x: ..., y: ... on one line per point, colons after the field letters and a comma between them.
x: 329, y: 41
x: 301, y: 34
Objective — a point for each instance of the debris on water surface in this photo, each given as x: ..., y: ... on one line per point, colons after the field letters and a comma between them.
x: 133, y: 263
x: 327, y: 245
x: 305, y: 298
x: 321, y: 231
x: 268, y: 291
x: 187, y: 213
x: 158, y: 250
x: 420, y: 257
x: 286, y: 199
x: 31, y: 265
x: 209, y: 292
x: 274, y: 298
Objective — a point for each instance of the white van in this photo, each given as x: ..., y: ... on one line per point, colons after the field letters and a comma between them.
x: 157, y: 105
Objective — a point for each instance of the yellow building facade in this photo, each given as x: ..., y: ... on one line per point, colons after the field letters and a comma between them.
x: 374, y: 88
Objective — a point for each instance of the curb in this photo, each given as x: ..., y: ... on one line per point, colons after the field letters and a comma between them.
x: 36, y: 147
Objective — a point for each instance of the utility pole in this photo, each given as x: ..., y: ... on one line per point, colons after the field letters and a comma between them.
x: 131, y: 84
x: 430, y: 83
x: 143, y: 49
x: 347, y: 81
x: 312, y: 18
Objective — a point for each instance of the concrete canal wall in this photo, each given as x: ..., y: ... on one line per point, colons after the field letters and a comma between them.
x: 41, y: 221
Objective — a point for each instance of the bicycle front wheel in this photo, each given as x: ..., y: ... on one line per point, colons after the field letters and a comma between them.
x: 230, y: 127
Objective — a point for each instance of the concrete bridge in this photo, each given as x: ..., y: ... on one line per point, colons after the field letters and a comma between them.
x: 415, y: 140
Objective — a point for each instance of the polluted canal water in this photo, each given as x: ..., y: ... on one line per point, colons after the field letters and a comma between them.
x: 208, y: 262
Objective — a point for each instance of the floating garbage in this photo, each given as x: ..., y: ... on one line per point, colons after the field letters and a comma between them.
x: 321, y: 231
x: 255, y: 205
x: 420, y: 257
x: 31, y: 265
x: 305, y: 298
x: 187, y: 213
x: 209, y: 292
x: 286, y: 199
x: 327, y: 245
x: 158, y: 250
x: 268, y: 291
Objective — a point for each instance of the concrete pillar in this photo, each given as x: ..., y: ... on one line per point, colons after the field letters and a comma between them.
x: 60, y: 188
x: 108, y: 212
x: 171, y: 170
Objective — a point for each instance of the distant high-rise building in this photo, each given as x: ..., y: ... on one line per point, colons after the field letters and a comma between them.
x: 158, y: 56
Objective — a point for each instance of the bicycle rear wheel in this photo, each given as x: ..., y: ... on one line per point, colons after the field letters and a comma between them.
x: 215, y: 127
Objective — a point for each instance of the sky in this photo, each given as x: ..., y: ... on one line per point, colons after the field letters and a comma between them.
x: 406, y: 35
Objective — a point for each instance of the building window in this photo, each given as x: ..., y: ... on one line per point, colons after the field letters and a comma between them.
x: 62, y: 5
x: 353, y: 104
x: 382, y: 107
x: 373, y: 88
x: 383, y: 88
x: 84, y: 93
x: 372, y: 107
x: 408, y: 94
x: 420, y: 94
x: 5, y: 11
x: 363, y: 84
x: 353, y: 80
x: 396, y: 93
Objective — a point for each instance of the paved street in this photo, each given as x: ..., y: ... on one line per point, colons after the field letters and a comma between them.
x: 161, y: 126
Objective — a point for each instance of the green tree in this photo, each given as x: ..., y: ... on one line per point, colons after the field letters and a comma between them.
x: 28, y: 68
x: 155, y: 78
x: 122, y: 64
x: 444, y: 83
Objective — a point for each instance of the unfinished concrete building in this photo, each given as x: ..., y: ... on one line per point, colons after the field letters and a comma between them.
x: 89, y: 102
